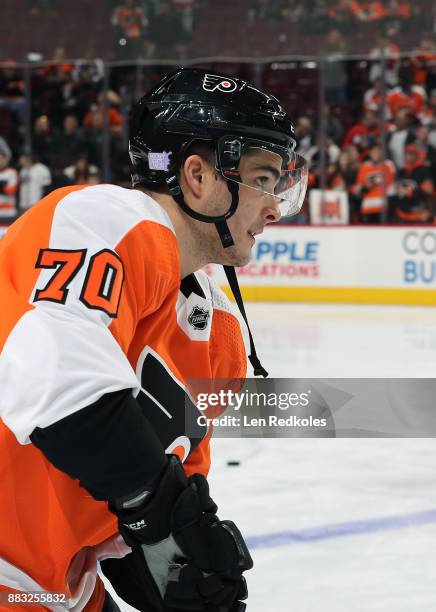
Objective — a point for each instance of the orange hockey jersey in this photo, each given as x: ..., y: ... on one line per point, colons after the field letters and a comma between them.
x: 374, y: 183
x: 91, y: 304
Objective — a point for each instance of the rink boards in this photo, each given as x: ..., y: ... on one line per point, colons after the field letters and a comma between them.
x: 383, y: 264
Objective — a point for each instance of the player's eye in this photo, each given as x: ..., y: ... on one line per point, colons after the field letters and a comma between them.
x: 264, y: 181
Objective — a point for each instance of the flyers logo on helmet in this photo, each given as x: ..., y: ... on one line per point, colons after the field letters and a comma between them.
x: 211, y: 82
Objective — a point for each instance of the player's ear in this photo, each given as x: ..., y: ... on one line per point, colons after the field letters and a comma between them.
x: 197, y: 175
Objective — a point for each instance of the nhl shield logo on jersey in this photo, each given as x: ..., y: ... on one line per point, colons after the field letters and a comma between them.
x: 199, y: 317
x: 211, y: 82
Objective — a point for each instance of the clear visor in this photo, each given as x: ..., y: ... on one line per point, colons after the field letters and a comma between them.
x: 267, y: 174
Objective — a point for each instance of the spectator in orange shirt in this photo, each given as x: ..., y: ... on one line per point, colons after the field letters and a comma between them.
x: 114, y: 116
x: 363, y: 134
x: 413, y: 189
x: 374, y: 11
x: 407, y: 95
x: 130, y: 21
x: 357, y: 10
x: 372, y: 98
x: 344, y: 11
x: 374, y: 185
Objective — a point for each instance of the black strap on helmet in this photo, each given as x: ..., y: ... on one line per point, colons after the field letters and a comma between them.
x: 258, y: 369
x: 220, y: 221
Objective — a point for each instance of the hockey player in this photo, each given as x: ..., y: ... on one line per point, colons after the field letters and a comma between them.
x: 104, y: 318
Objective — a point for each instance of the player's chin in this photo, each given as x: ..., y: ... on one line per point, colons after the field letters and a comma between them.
x: 239, y: 254
x: 239, y: 257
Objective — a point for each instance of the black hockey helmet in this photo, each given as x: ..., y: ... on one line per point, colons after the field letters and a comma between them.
x: 193, y: 105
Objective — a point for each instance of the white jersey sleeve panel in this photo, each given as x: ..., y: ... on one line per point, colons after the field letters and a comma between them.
x: 55, y: 363
x: 60, y: 358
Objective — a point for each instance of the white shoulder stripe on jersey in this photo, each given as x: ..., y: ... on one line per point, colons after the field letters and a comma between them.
x: 107, y: 212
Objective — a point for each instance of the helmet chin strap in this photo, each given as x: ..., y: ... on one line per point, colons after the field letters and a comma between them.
x: 220, y: 221
x: 221, y: 226
x: 223, y: 231
x: 227, y: 241
x: 258, y: 368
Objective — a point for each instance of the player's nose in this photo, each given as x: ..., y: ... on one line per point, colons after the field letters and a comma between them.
x: 271, y: 213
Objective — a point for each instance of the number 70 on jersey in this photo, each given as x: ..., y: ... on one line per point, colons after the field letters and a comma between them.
x: 102, y: 285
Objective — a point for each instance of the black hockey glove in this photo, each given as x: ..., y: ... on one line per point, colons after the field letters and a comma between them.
x: 3, y: 184
x: 196, y: 560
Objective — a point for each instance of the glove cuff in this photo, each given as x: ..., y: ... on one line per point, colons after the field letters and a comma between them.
x: 144, y: 517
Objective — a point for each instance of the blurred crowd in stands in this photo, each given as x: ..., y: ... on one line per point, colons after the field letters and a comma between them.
x: 66, y: 121
x: 154, y: 28
x: 386, y: 159
x: 132, y: 29
x: 381, y: 154
x: 321, y: 16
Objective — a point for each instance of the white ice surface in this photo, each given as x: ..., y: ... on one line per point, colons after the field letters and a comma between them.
x: 284, y: 485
